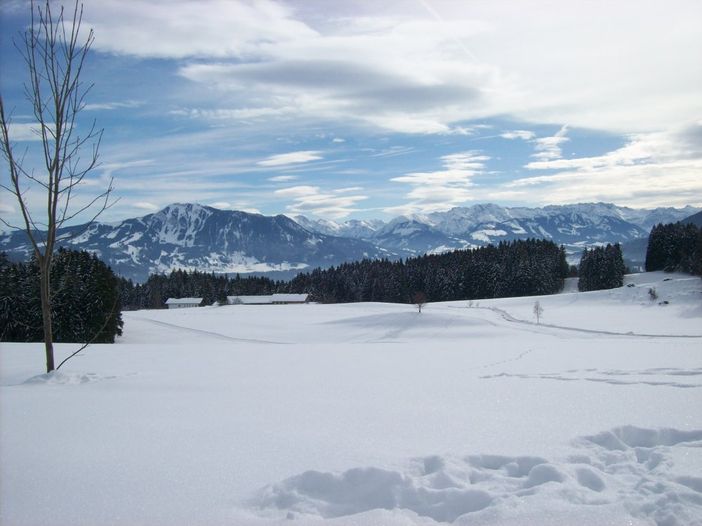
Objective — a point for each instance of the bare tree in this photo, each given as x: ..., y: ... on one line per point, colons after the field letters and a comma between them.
x: 54, y: 52
x: 419, y: 299
x: 538, y: 311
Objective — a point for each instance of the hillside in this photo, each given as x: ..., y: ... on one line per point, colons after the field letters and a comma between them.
x: 368, y: 413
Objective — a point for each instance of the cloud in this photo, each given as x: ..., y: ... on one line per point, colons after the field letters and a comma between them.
x: 394, y: 151
x: 187, y: 29
x: 222, y: 205
x: 652, y: 169
x: 25, y: 131
x: 234, y: 114
x: 442, y: 189
x: 328, y: 87
x: 282, y: 178
x: 144, y: 205
x: 524, y: 135
x: 113, y: 105
x: 284, y: 159
x: 338, y: 139
x: 241, y: 206
x: 7, y: 208
x: 425, y: 68
x: 334, y: 204
x: 549, y: 148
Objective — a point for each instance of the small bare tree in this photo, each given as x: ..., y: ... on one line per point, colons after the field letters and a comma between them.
x: 538, y: 311
x: 54, y: 54
x: 419, y: 299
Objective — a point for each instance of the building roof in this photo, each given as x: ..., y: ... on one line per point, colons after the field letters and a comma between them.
x: 266, y: 299
x: 290, y: 297
x: 183, y: 301
x: 250, y: 300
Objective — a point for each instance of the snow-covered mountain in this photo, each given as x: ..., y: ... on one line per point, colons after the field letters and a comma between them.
x: 353, y: 228
x: 575, y: 226
x: 192, y: 236
x: 410, y: 235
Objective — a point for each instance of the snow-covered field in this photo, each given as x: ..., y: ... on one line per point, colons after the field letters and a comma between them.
x: 368, y: 414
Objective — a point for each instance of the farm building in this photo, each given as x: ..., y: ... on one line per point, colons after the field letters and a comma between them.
x: 275, y: 299
x: 284, y: 299
x: 183, y: 303
x: 249, y: 300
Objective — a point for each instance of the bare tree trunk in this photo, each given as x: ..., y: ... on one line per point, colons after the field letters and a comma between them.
x: 45, y: 294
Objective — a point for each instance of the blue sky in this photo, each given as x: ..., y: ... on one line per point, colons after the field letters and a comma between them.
x: 374, y: 109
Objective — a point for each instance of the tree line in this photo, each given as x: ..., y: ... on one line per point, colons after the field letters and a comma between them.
x: 516, y: 268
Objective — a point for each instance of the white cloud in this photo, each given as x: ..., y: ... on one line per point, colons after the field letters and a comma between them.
x: 284, y: 159
x: 298, y: 191
x: 442, y: 189
x: 145, y: 205
x: 222, y: 205
x: 338, y: 139
x: 282, y: 178
x: 422, y: 68
x: 206, y: 28
x: 234, y: 114
x: 549, y: 148
x: 524, y: 135
x: 25, y: 131
x: 113, y: 105
x: 334, y: 204
x: 6, y: 208
x: 653, y: 169
x: 393, y: 151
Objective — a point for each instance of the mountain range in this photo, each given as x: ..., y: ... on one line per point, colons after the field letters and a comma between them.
x: 574, y: 226
x: 193, y: 236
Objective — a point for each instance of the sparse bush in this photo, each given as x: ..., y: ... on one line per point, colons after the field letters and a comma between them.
x: 652, y: 294
x: 419, y: 299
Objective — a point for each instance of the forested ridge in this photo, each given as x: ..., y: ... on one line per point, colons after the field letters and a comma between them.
x: 517, y: 268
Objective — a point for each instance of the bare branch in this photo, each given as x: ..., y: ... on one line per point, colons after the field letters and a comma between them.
x: 108, y: 317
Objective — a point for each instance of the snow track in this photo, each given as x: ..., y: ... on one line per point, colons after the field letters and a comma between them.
x: 508, y: 317
x: 210, y: 334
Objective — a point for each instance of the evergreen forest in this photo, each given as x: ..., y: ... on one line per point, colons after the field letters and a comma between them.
x: 85, y: 307
x: 517, y: 268
x: 675, y: 247
x: 601, y: 268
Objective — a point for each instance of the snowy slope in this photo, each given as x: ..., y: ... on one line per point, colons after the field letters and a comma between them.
x: 368, y: 414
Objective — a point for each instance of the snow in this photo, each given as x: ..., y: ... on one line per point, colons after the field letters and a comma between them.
x: 484, y: 235
x: 230, y: 263
x: 368, y: 414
